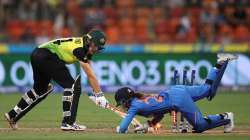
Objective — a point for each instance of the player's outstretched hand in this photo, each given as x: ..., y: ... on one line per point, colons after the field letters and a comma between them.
x: 101, y: 100
x: 98, y: 99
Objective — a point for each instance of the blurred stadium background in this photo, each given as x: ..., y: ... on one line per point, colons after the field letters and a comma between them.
x: 147, y: 39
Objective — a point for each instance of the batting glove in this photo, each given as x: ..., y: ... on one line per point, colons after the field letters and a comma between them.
x: 92, y: 97
x: 99, y: 99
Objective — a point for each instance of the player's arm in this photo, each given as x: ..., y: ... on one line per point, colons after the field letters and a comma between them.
x: 91, y: 76
x: 84, y: 58
x: 98, y: 96
x: 123, y: 128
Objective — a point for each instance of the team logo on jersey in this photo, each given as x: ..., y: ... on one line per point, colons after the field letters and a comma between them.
x: 78, y: 41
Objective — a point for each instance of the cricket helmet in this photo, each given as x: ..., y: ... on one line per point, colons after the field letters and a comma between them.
x: 123, y: 95
x: 98, y: 38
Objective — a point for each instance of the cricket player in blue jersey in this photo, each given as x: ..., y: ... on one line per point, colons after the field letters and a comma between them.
x: 181, y: 98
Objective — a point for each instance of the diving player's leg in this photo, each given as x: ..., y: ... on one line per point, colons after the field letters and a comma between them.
x: 198, y: 92
x: 221, y: 66
x: 201, y: 124
x: 209, y: 88
x: 192, y: 113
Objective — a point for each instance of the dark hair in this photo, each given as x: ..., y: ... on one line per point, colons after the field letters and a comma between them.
x: 138, y: 95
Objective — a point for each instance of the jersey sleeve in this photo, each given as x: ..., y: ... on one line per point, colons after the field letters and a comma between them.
x: 81, y: 55
x: 127, y: 120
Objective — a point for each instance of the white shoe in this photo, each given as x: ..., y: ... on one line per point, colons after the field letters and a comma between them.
x: 12, y: 124
x: 74, y: 127
x: 222, y: 57
x: 229, y: 127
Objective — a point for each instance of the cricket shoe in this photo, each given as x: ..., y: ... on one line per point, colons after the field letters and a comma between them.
x: 222, y: 57
x: 229, y: 127
x: 73, y: 127
x: 12, y: 123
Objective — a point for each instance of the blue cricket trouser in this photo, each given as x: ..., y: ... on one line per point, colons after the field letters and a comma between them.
x: 182, y: 98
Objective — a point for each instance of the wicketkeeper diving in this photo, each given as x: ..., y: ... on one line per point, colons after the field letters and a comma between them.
x: 180, y: 98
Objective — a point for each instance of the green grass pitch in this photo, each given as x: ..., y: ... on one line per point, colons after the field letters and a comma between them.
x: 43, y: 121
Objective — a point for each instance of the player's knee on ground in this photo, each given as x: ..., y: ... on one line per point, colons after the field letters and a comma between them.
x: 200, y: 126
x: 212, y: 121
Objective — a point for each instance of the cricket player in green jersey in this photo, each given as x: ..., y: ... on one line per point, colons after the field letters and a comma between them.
x: 48, y: 63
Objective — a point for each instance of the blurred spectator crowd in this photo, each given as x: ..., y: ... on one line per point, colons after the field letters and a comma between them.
x: 126, y: 21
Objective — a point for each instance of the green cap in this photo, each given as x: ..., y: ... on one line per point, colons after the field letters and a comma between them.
x: 98, y: 37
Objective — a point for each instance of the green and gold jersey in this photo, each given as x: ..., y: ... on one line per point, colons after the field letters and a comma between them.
x: 64, y: 48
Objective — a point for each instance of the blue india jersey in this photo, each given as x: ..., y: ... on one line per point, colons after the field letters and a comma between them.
x: 151, y: 105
